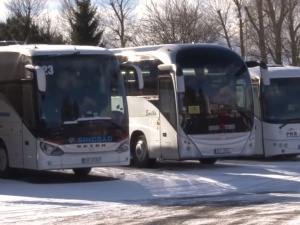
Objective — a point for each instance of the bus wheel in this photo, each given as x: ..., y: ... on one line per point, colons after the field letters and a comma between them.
x: 5, y: 171
x: 292, y: 156
x: 82, y: 171
x: 208, y: 161
x: 140, y: 156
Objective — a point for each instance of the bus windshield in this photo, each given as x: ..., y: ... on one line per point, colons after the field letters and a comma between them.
x: 81, y: 88
x: 218, y: 94
x: 281, y: 100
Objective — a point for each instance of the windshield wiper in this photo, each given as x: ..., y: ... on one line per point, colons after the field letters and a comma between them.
x: 241, y: 112
x: 241, y: 70
x: 87, y: 119
x: 293, y: 120
x: 94, y: 119
x: 245, y: 115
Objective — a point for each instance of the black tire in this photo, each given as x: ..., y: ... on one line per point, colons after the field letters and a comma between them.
x: 208, y: 161
x: 140, y: 154
x: 82, y: 171
x: 292, y: 156
x: 5, y: 170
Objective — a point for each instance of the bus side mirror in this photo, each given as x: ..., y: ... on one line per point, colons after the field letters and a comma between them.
x: 40, y: 75
x: 167, y: 67
x: 263, y: 70
x: 264, y: 73
x: 173, y: 68
x: 137, y: 73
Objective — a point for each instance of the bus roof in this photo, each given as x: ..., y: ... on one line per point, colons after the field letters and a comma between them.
x: 163, y: 47
x: 277, y: 72
x: 166, y: 52
x: 44, y: 49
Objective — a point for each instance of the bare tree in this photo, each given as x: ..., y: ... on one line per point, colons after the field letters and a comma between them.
x: 66, y: 14
x: 241, y: 24
x: 176, y: 21
x: 121, y: 20
x: 21, y: 14
x: 256, y: 17
x: 276, y: 11
x: 48, y: 31
x: 267, y: 18
x: 28, y: 9
x: 222, y: 12
x: 292, y: 25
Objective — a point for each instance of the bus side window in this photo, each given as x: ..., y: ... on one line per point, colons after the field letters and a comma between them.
x: 11, y: 66
x: 130, y: 83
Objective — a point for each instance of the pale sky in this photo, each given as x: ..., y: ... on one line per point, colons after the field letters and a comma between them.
x: 3, y: 10
x: 52, y: 6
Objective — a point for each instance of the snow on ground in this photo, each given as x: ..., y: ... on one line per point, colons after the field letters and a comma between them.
x: 171, y: 193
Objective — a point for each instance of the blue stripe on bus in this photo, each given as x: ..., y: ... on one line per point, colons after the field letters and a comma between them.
x: 4, y: 114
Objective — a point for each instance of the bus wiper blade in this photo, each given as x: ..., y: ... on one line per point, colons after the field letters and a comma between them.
x: 241, y: 70
x: 245, y: 115
x: 87, y: 119
x: 105, y: 119
x: 188, y: 125
x: 289, y: 121
x: 93, y: 118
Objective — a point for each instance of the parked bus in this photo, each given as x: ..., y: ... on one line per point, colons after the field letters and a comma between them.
x: 277, y: 112
x: 61, y: 107
x: 196, y: 104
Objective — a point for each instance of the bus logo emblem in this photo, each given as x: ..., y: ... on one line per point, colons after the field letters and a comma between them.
x: 71, y: 140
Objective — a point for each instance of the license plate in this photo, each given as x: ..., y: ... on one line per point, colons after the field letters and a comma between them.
x: 91, y: 160
x: 222, y: 150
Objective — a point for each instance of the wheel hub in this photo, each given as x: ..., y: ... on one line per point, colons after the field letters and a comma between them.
x: 140, y: 150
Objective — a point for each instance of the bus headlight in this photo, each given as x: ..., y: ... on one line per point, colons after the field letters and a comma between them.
x: 51, y: 149
x: 124, y: 147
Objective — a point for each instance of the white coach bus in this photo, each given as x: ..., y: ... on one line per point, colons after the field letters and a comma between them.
x: 277, y: 112
x: 196, y: 104
x: 61, y: 107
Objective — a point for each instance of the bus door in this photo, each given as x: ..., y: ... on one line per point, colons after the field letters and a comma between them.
x: 259, y: 148
x: 11, y: 125
x: 168, y: 119
x: 29, y: 141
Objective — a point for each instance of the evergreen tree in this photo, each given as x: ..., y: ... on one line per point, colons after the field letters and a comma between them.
x: 2, y: 31
x: 16, y: 28
x: 19, y: 28
x: 85, y: 29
